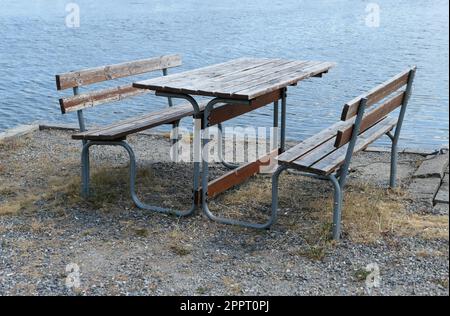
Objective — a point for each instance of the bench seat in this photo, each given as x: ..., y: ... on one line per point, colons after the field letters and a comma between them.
x: 120, y: 130
x: 319, y: 155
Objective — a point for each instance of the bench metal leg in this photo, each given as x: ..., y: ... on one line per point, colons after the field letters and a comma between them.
x: 394, y: 161
x: 205, y: 174
x: 337, y: 207
x: 135, y: 198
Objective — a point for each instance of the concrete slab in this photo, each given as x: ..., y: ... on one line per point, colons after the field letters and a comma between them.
x: 425, y: 189
x: 441, y: 209
x: 434, y: 166
x: 418, y: 151
x: 379, y: 172
x: 63, y: 127
x: 18, y: 131
x: 442, y: 195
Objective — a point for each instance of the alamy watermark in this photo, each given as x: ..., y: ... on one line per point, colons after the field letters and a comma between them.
x: 373, y: 15
x: 233, y: 144
x: 73, y: 15
x: 373, y: 279
x: 73, y: 280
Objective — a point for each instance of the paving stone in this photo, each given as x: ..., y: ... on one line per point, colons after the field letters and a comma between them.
x: 442, y: 195
x: 18, y: 131
x: 433, y: 167
x: 425, y: 189
x: 418, y: 151
x: 441, y: 209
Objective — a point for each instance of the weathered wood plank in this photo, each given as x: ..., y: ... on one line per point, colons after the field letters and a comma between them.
x: 137, y: 124
x: 371, y: 118
x: 268, y: 73
x: 376, y: 94
x: 230, y: 111
x: 238, y: 77
x: 187, y: 83
x: 311, y: 143
x: 334, y: 160
x: 214, y: 79
x: 236, y: 177
x: 291, y: 78
x: 104, y: 73
x: 91, y: 99
x: 196, y: 74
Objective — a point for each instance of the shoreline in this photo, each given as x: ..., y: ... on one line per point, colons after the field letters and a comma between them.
x: 24, y: 129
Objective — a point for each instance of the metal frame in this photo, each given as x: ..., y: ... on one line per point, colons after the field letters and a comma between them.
x: 85, y: 163
x: 395, y: 138
x: 205, y: 151
x: 339, y: 179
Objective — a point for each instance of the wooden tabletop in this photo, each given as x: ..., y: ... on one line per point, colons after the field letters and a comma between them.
x: 243, y: 79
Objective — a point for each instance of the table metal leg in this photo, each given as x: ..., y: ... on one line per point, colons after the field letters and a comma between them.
x: 283, y: 120
x: 205, y: 183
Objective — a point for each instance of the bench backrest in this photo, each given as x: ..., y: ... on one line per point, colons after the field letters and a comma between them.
x: 76, y: 79
x: 393, y: 93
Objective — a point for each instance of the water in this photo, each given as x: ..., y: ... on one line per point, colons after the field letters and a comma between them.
x: 36, y: 44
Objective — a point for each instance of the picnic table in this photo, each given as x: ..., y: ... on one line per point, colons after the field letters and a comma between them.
x: 235, y: 87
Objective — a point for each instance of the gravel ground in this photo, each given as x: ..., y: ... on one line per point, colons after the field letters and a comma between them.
x: 46, y: 230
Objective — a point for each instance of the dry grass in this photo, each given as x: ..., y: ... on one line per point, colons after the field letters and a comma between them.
x: 178, y: 243
x: 370, y: 213
x: 13, y: 144
x: 232, y: 285
x: 305, y: 205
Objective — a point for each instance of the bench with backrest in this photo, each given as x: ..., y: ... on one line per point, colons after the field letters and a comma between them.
x: 327, y: 155
x: 115, y: 134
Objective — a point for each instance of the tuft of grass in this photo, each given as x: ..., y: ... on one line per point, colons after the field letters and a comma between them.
x: 178, y: 243
x: 233, y: 286
x: 201, y: 290
x: 141, y: 232
x: 13, y: 144
x: 180, y: 250
x: 8, y: 191
x: 425, y: 253
x: 369, y: 213
x: 442, y: 282
x: 361, y: 274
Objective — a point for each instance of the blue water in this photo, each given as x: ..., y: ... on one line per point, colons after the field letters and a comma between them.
x: 36, y: 44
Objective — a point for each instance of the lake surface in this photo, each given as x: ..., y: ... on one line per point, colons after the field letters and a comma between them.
x: 36, y: 44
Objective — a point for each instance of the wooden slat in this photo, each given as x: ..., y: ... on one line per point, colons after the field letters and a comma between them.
x: 228, y: 89
x: 230, y: 111
x: 198, y: 74
x: 229, y: 84
x: 376, y: 94
x: 225, y: 74
x: 91, y: 99
x: 190, y: 82
x: 335, y: 159
x: 289, y: 79
x: 140, y: 123
x: 100, y: 74
x: 236, y: 177
x: 371, y: 118
x: 311, y: 143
